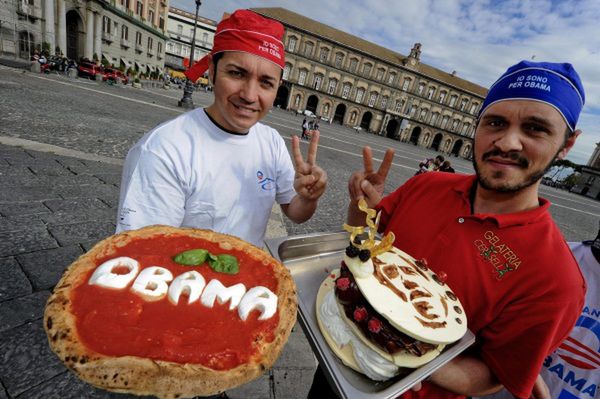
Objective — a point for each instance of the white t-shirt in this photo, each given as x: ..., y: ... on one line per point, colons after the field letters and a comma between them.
x: 573, y: 370
x: 189, y: 172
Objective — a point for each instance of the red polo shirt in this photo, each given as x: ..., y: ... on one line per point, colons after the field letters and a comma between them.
x: 514, y: 274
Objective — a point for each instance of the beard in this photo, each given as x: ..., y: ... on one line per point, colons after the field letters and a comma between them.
x: 531, y: 178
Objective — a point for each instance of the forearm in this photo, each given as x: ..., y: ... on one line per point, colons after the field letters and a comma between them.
x: 300, y: 209
x: 466, y: 375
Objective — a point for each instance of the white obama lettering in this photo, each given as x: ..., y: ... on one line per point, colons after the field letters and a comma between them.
x: 191, y: 283
x: 259, y: 298
x: 151, y: 283
x: 105, y: 277
x: 216, y: 290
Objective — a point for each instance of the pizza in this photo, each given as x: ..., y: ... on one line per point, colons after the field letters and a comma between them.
x: 171, y: 312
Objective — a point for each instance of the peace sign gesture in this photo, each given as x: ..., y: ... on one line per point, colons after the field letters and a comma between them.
x: 310, y: 180
x: 369, y: 184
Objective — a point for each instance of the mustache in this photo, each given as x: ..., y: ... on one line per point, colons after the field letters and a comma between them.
x: 512, y: 155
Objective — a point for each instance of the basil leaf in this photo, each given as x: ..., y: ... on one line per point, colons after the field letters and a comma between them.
x: 192, y: 257
x: 224, y: 264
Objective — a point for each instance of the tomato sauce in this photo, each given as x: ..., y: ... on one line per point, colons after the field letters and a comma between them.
x: 120, y: 323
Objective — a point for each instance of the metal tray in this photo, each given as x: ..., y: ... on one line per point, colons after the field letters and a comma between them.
x: 310, y: 258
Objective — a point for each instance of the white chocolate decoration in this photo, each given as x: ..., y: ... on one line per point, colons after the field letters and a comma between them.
x: 359, y: 268
x: 151, y: 283
x: 259, y: 298
x: 104, y: 276
x: 191, y: 283
x: 216, y: 290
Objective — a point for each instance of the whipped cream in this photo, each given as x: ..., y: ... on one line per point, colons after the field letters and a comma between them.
x: 371, y: 363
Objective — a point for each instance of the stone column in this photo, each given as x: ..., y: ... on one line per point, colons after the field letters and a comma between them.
x: 89, y: 35
x: 49, y: 24
x: 98, y: 35
x: 61, y: 33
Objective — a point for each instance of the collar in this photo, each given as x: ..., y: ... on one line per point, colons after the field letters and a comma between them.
x: 463, y: 189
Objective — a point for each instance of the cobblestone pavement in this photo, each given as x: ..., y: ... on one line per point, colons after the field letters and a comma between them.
x: 54, y: 206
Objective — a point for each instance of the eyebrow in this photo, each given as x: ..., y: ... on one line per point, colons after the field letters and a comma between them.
x: 244, y: 70
x: 535, y: 119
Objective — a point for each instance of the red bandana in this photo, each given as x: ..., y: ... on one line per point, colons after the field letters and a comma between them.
x: 245, y: 31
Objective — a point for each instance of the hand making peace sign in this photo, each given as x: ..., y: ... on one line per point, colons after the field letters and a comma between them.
x: 369, y: 184
x: 310, y: 180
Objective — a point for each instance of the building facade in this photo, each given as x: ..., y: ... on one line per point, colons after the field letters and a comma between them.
x: 350, y: 81
x: 125, y: 33
x: 589, y: 181
x: 180, y: 29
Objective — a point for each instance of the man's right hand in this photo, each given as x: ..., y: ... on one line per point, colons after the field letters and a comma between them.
x: 367, y: 184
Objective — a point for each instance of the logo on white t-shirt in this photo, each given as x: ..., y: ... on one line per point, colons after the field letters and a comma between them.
x: 266, y: 183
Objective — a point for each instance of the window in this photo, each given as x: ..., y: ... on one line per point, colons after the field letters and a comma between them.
x: 105, y: 24
x: 434, y: 118
x: 380, y: 73
x: 359, y: 94
x: 442, y: 96
x: 180, y: 30
x: 308, y: 49
x: 324, y: 54
x: 430, y: 93
x: 332, y: 86
x: 473, y: 108
x: 178, y: 48
x: 170, y: 47
x: 421, y: 89
x: 444, y: 122
x: 406, y: 84
x: 367, y: 70
x: 149, y: 43
x: 286, y: 71
x: 292, y: 44
x: 413, y: 111
x: 384, y: 101
x: 423, y: 114
x: 140, y: 8
x: 465, y: 128
x: 159, y: 47
x: 409, y: 108
x: 339, y: 58
x: 302, y: 77
x: 138, y: 38
x: 161, y: 22
x: 399, y: 105
x: 373, y: 99
x: 391, y: 78
x: 454, y: 125
x: 463, y: 104
x: 317, y: 82
x: 353, y: 65
x: 346, y: 90
x: 151, y: 16
x: 205, y: 38
x: 453, y: 99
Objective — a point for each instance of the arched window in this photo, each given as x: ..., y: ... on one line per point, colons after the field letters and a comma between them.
x: 399, y: 105
x: 453, y: 99
x: 380, y: 73
x: 332, y: 86
x: 339, y: 58
x: 302, y: 77
x: 308, y: 49
x: 434, y: 118
x: 430, y: 93
x: 406, y: 84
x: 317, y: 82
x: 359, y: 95
x: 373, y: 98
x: 353, y: 65
x: 324, y: 54
x: 286, y: 71
x: 292, y: 43
x: 442, y: 96
x: 463, y: 104
x: 367, y: 70
x: 346, y: 90
x: 391, y: 78
x: 384, y: 102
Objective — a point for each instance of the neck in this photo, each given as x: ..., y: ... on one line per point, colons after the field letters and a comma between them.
x: 494, y: 202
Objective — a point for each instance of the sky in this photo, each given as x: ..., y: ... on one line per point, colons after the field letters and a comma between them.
x: 479, y: 39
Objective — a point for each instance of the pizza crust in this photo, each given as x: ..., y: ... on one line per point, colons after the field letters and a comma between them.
x: 143, y: 376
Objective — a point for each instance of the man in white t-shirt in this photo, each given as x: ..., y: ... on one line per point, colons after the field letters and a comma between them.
x: 218, y: 168
x: 573, y: 370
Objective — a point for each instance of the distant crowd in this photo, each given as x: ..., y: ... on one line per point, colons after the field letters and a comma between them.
x: 437, y: 164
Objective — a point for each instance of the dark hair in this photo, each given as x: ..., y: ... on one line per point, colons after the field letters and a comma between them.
x: 215, y: 61
x: 440, y: 157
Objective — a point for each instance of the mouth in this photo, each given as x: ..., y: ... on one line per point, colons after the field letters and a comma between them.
x: 244, y: 109
x: 505, y: 160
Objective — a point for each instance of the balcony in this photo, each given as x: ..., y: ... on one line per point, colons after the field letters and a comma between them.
x: 108, y: 37
x: 125, y: 43
x: 139, y: 48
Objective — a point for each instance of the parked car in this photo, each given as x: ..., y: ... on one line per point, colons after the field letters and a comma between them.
x: 89, y: 70
x: 114, y: 74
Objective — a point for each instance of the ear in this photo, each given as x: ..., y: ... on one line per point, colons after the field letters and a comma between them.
x: 211, y: 70
x: 569, y: 143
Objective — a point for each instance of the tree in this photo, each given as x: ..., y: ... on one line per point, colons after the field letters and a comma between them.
x: 571, y: 180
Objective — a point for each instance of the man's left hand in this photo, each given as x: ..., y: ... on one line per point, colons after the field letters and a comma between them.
x: 310, y: 180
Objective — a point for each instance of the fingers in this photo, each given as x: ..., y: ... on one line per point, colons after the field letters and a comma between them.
x: 368, y: 159
x: 371, y: 194
x: 385, y: 166
x: 354, y: 186
x: 311, y: 186
x: 312, y: 148
x: 296, y: 154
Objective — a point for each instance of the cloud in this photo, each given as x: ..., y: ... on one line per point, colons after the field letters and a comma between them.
x: 477, y: 38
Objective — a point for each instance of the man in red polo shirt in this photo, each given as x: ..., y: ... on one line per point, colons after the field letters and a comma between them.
x: 492, y: 235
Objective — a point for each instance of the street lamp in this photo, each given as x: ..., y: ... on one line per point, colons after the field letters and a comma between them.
x: 186, y: 101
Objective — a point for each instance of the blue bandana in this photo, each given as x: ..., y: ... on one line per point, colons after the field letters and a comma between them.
x: 555, y: 84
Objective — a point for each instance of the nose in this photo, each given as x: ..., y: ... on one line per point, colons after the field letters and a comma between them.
x: 249, y: 91
x: 509, y: 140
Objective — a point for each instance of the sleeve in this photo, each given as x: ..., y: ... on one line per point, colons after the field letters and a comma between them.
x: 285, y: 175
x: 515, y: 345
x: 151, y: 192
x: 390, y: 202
